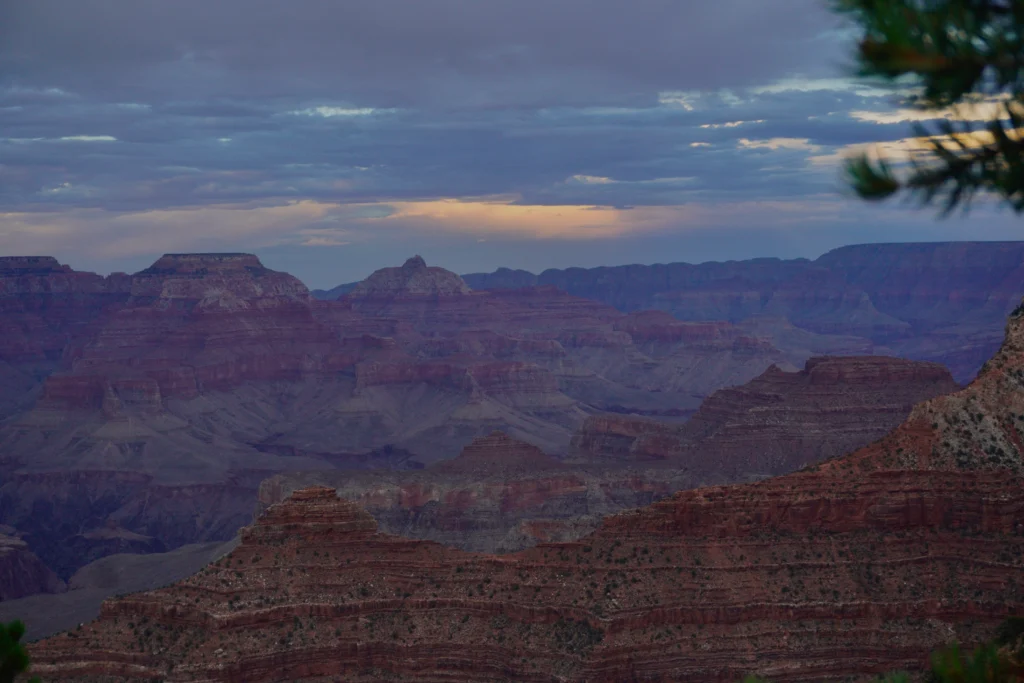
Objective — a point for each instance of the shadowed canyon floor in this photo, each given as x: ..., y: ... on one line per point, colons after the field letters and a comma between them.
x: 858, y: 565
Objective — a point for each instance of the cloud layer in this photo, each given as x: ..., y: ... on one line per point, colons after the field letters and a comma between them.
x: 326, y: 128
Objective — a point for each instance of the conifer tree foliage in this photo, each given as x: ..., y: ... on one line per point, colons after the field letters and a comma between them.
x: 13, y: 658
x: 963, y: 61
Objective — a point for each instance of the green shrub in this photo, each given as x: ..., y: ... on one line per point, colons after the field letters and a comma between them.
x: 13, y: 658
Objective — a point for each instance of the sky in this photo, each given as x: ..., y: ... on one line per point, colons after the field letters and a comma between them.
x: 334, y: 137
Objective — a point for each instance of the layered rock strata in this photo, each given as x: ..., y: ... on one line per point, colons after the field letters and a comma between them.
x: 943, y: 301
x: 857, y: 566
x: 42, y: 305
x: 498, y: 495
x: 774, y: 424
x: 22, y: 573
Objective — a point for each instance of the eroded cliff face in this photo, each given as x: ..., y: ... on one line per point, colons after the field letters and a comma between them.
x: 942, y: 302
x: 22, y: 573
x: 42, y: 304
x: 774, y: 424
x: 148, y: 404
x: 161, y: 399
x: 860, y: 565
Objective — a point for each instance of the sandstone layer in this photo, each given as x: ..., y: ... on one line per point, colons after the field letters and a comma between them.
x: 853, y: 567
x: 42, y: 304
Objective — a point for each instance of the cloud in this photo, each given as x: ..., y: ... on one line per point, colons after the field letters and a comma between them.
x: 88, y: 138
x: 779, y: 143
x: 106, y: 235
x: 978, y: 111
x: 331, y: 112
x: 407, y: 53
x: 136, y: 128
x: 730, y: 124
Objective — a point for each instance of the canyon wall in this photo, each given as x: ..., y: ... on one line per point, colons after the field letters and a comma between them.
x: 774, y: 424
x: 849, y: 568
x: 943, y: 302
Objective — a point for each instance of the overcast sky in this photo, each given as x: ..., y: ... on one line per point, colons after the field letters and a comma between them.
x: 333, y: 137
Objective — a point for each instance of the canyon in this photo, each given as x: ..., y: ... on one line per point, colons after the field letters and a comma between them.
x: 500, y: 494
x: 588, y: 529
x: 854, y: 566
x: 149, y: 411
x: 152, y: 405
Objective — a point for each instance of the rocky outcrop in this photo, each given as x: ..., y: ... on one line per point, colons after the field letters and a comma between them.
x: 774, y: 424
x: 42, y: 305
x: 609, y: 438
x: 498, y: 495
x: 414, y: 278
x: 200, y: 322
x: 22, y: 573
x: 943, y: 302
x: 850, y: 568
x: 499, y: 456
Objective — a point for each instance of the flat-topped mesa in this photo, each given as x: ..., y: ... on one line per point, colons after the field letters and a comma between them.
x: 413, y: 278
x: 214, y: 281
x: 44, y: 305
x: 498, y: 455
x: 201, y: 264
x: 193, y: 323
x: 30, y: 265
x: 311, y: 513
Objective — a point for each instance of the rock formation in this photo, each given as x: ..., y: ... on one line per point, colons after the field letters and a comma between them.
x: 853, y: 567
x: 150, y: 406
x: 146, y: 409
x: 22, y: 573
x: 414, y: 278
x: 42, y: 304
x: 943, y: 302
x: 774, y: 424
x: 498, y: 495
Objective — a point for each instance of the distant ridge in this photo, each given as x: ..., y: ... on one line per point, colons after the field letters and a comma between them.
x: 937, y: 301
